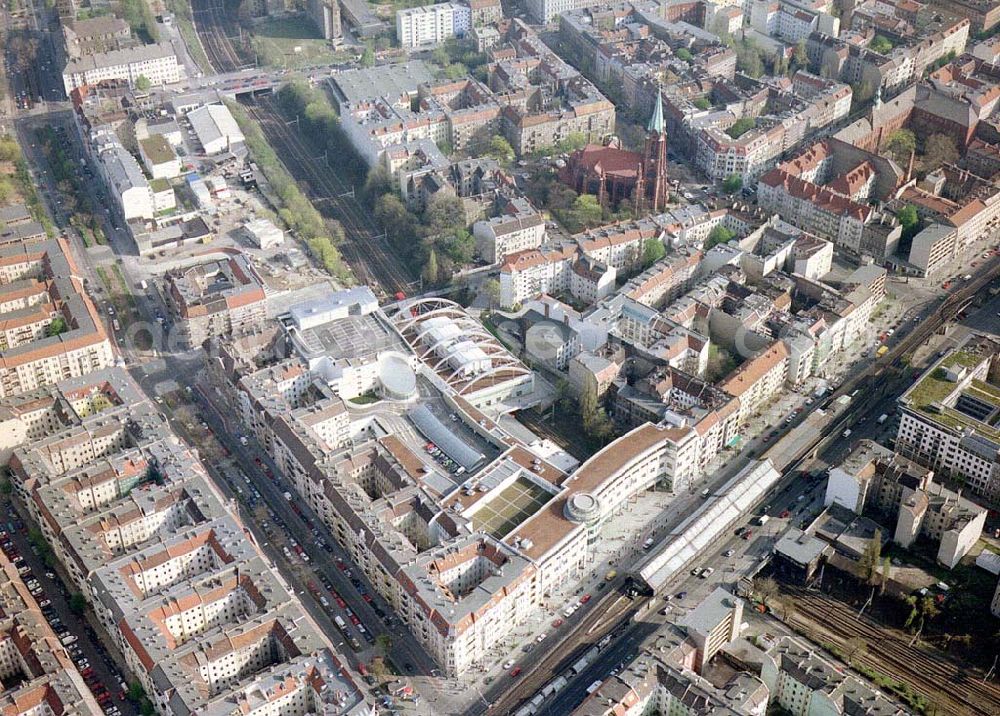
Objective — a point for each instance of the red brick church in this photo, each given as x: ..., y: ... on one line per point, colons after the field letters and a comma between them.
x: 615, y: 175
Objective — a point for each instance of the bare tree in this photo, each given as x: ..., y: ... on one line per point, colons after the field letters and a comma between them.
x: 853, y: 645
x: 765, y: 588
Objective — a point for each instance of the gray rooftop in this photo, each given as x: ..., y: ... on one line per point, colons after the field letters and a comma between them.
x: 370, y: 83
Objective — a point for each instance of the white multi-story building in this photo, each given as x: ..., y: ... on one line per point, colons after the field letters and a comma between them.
x: 432, y: 24
x: 123, y: 176
x: 157, y: 63
x: 946, y: 418
x: 518, y: 227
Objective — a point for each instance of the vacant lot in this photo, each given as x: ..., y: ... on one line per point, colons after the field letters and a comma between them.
x: 292, y: 43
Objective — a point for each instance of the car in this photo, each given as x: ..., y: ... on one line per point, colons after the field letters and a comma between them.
x: 527, y: 648
x: 516, y: 671
x: 696, y: 571
x: 681, y: 595
x: 557, y: 623
x: 784, y: 514
x: 729, y: 553
x: 767, y: 438
x: 707, y: 572
x: 507, y: 664
x: 354, y: 619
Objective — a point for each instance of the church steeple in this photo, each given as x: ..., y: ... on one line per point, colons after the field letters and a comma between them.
x: 656, y: 123
x: 654, y: 188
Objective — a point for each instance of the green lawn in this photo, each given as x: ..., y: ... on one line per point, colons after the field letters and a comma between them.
x: 275, y: 40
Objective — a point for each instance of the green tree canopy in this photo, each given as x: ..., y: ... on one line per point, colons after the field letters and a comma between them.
x: 368, y: 57
x: 652, y: 251
x: 57, y: 326
x: 585, y: 212
x: 142, y: 83
x: 702, y: 103
x: 684, y: 54
x: 501, y: 150
x: 732, y: 183
x: 741, y: 126
x: 719, y: 235
x: 880, y: 44
x: 444, y: 213
x: 901, y: 144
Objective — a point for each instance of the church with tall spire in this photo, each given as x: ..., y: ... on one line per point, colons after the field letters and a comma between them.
x: 615, y: 175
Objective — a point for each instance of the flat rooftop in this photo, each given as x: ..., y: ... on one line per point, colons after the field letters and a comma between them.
x: 366, y: 84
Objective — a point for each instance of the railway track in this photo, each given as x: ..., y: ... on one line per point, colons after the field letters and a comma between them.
x: 366, y: 249
x: 214, y: 28
x: 935, y: 676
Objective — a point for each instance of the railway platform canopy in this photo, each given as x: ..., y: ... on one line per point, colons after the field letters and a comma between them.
x: 719, y: 513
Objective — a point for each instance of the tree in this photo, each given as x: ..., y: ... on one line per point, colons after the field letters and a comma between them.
x: 684, y: 54
x: 585, y: 212
x: 395, y: 220
x: 652, y: 251
x: 732, y: 183
x: 852, y: 646
x: 460, y: 246
x: 871, y: 558
x: 719, y: 235
x: 702, y: 103
x: 57, y: 326
x: 368, y: 56
x: 430, y: 272
x: 765, y: 588
x: 444, y: 213
x: 910, y: 221
x: 886, y: 573
x: 741, y: 126
x: 142, y: 83
x: 880, y: 44
x: 377, y: 183
x: 938, y: 149
x: 383, y: 642
x: 596, y: 423
x: 800, y: 58
x: 501, y: 150
x: 491, y: 287
x: 901, y: 144
x: 77, y: 603
x: 440, y: 56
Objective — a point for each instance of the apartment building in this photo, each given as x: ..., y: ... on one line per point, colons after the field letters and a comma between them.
x: 122, y: 174
x: 204, y: 624
x: 51, y: 330
x: 947, y: 417
x: 620, y: 244
x: 804, y: 680
x: 552, y: 270
x: 157, y: 63
x: 38, y: 675
x: 95, y: 35
x: 216, y: 298
x: 517, y: 227
x: 430, y: 25
x: 873, y: 478
x: 758, y: 380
